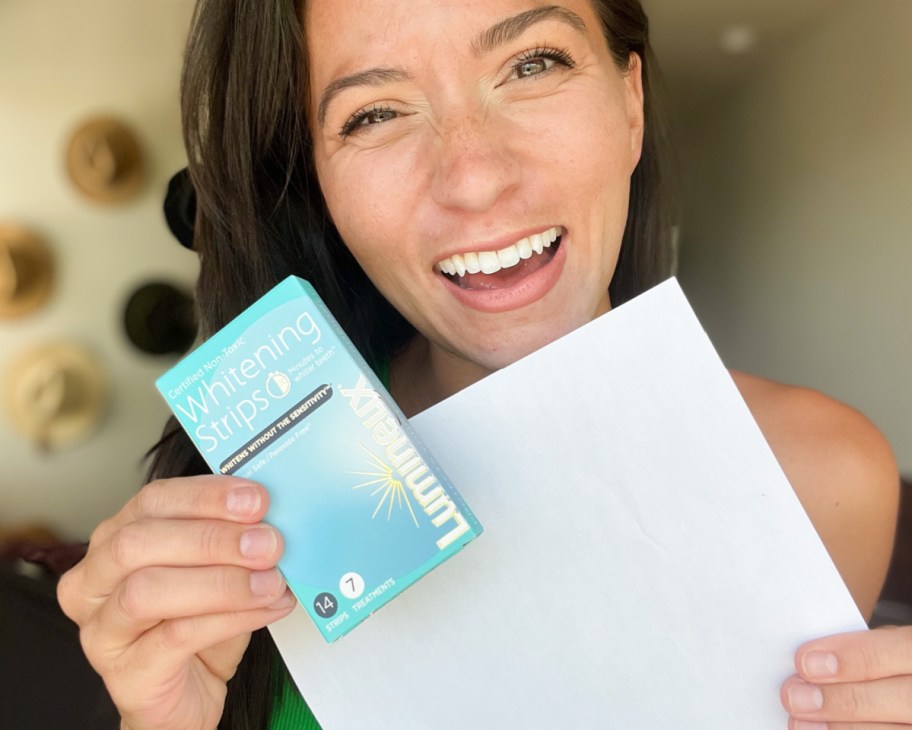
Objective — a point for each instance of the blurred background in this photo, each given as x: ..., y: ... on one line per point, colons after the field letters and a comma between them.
x: 794, y: 127
x: 63, y: 62
x: 793, y: 120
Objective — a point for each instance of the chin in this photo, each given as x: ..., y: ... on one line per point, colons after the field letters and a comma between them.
x: 497, y: 352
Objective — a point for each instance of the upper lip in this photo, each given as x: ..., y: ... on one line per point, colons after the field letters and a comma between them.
x: 496, y: 244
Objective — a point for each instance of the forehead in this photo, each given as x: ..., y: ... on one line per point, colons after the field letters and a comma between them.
x: 344, y: 35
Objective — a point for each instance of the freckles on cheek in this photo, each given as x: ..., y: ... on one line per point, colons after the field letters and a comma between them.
x: 588, y: 136
x: 366, y: 229
x: 343, y: 201
x: 365, y: 197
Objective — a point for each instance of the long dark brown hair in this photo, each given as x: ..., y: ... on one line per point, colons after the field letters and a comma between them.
x: 261, y: 216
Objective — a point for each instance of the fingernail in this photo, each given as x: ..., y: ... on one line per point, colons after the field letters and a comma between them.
x: 266, y: 583
x: 243, y: 501
x: 805, y: 697
x: 286, y: 601
x: 802, y: 725
x: 259, y: 542
x: 820, y: 665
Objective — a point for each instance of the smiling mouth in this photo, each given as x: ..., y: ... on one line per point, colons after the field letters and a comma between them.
x: 502, y: 268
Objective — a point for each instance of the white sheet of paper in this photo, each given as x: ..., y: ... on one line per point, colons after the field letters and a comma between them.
x: 645, y: 563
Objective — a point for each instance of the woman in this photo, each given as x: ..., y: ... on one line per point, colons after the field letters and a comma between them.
x: 491, y: 169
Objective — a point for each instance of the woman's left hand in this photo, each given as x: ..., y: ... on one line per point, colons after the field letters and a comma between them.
x: 857, y: 681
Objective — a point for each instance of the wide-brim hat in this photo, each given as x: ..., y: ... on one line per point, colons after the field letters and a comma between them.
x: 104, y: 160
x: 26, y: 271
x: 55, y: 394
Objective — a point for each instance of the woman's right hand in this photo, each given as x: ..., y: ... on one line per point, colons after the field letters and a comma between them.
x: 168, y: 594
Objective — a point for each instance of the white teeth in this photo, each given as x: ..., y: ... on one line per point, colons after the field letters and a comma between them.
x: 508, y: 256
x: 490, y: 262
x: 525, y: 248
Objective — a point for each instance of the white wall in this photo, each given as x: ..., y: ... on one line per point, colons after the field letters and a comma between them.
x: 60, y: 61
x: 797, y: 244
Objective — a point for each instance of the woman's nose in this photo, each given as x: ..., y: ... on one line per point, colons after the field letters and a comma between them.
x: 474, y: 165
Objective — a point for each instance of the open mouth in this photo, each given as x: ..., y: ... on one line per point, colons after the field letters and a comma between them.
x: 503, y: 268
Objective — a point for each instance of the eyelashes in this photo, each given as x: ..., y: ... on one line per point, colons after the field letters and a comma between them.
x: 540, y: 60
x: 374, y: 114
x: 528, y: 65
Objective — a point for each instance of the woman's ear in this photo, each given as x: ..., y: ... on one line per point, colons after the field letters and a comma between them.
x: 633, y: 86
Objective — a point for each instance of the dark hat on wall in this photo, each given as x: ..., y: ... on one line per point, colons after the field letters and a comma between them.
x: 26, y: 271
x: 160, y: 319
x: 104, y: 160
x: 180, y: 207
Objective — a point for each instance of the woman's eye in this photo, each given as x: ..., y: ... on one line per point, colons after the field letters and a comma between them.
x: 540, y: 61
x: 533, y: 67
x: 366, y: 118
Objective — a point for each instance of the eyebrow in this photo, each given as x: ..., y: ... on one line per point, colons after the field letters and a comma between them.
x: 488, y: 40
x: 371, y: 77
x: 511, y: 28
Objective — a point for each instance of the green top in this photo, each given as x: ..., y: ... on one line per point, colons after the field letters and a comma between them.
x: 291, y: 711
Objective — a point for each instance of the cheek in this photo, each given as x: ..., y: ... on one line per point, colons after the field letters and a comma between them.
x: 366, y: 204
x: 595, y: 160
x: 371, y: 209
x: 580, y: 139
x: 601, y: 146
x: 594, y: 183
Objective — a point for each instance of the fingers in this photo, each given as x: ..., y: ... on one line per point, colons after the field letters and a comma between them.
x: 201, y: 497
x: 855, y: 704
x: 156, y: 594
x: 184, y: 521
x: 167, y: 542
x: 853, y: 681
x: 858, y: 656
x: 211, y: 636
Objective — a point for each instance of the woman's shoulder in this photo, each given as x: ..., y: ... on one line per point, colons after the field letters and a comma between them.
x: 843, y: 471
x: 806, y: 428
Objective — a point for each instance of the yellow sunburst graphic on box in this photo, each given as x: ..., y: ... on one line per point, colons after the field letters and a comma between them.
x: 391, y: 491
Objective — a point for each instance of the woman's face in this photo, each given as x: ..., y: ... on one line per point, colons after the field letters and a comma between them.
x: 475, y: 156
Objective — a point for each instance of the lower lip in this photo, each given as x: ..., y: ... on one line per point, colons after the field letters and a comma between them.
x: 528, y: 290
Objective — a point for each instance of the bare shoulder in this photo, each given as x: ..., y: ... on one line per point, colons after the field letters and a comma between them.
x: 808, y: 430
x: 843, y: 471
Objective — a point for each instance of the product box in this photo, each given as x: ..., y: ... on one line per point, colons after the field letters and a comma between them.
x: 281, y: 396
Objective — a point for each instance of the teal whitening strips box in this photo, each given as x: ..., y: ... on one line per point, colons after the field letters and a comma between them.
x: 282, y: 397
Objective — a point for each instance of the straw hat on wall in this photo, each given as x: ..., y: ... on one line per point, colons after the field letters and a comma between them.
x: 104, y: 160
x: 55, y: 394
x: 26, y: 272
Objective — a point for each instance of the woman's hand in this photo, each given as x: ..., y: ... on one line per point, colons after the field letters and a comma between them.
x: 168, y: 593
x: 858, y: 681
